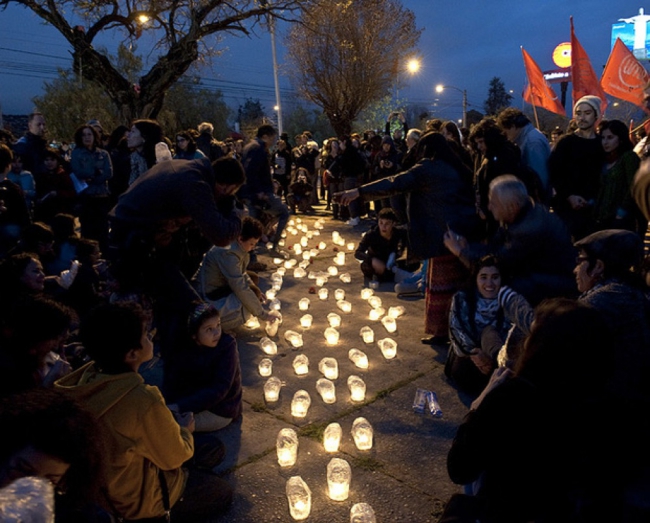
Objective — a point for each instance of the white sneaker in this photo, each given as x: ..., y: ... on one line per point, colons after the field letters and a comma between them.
x: 353, y: 222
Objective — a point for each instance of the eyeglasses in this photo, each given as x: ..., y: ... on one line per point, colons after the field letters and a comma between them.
x: 580, y: 259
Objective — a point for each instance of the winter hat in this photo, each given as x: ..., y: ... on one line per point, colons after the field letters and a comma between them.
x: 619, y: 249
x: 591, y: 100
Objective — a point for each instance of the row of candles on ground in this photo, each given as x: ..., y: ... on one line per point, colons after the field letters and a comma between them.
x: 339, y: 473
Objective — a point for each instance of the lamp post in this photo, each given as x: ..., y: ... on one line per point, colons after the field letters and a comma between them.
x: 441, y: 88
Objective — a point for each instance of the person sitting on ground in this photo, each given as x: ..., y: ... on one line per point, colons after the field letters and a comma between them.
x: 222, y: 279
x: 477, y: 328
x: 300, y: 193
x: 145, y: 446
x: 204, y: 375
x: 381, y: 247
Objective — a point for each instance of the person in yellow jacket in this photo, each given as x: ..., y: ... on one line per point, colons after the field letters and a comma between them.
x: 145, y: 446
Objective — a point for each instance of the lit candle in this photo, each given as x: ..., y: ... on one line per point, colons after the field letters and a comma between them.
x: 339, y: 294
x: 362, y: 513
x: 321, y: 280
x: 280, y: 271
x: 303, y: 304
x: 327, y: 390
x: 332, y: 271
x: 396, y: 312
x: 305, y: 321
x: 281, y: 242
x: 303, y: 264
x: 290, y: 264
x: 374, y: 302
x: 299, y: 497
x: 301, y: 364
x: 278, y: 261
x: 350, y: 246
x: 299, y: 273
x: 335, y: 236
x: 366, y: 293
x: 339, y: 259
x: 332, y: 437
x: 323, y: 293
x: 286, y: 446
x: 388, y: 348
x: 331, y: 336
x: 300, y: 404
x: 303, y: 241
x: 357, y: 388
x: 297, y: 248
x: 367, y: 334
x: 313, y: 252
x: 375, y: 314
x: 359, y: 358
x: 345, y: 306
x: 334, y: 320
x: 345, y: 277
x: 272, y: 389
x: 265, y: 367
x: 362, y: 433
x: 306, y: 255
x: 322, y: 246
x: 310, y: 235
x: 389, y: 323
x: 293, y: 337
x: 268, y: 346
x: 271, y: 327
x: 270, y: 294
x: 253, y: 323
x: 275, y: 304
x: 329, y: 368
x: 339, y: 475
x: 291, y: 223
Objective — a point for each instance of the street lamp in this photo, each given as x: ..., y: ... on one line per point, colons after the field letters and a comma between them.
x: 441, y: 88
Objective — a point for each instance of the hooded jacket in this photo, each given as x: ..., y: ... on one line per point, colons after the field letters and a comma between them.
x: 140, y: 437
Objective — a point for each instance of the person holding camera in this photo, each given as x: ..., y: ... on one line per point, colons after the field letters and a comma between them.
x: 386, y: 164
x: 398, y: 132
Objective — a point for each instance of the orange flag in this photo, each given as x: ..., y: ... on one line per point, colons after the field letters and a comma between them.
x: 538, y: 92
x: 583, y: 77
x: 624, y: 77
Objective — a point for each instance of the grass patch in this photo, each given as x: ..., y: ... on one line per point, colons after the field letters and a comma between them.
x: 258, y: 406
x: 367, y: 463
x: 314, y: 431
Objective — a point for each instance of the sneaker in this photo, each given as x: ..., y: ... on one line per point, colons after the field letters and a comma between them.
x: 353, y: 222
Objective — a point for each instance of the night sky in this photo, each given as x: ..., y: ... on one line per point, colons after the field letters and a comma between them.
x: 464, y: 44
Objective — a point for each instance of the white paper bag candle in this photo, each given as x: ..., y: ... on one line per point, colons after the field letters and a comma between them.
x: 357, y: 388
x: 332, y: 270
x: 268, y: 346
x: 323, y: 294
x: 388, y: 348
x: 345, y: 277
x: 299, y: 273
x: 305, y: 321
x: 272, y: 389
x: 359, y: 358
x: 362, y: 513
x: 332, y: 437
x: 329, y: 367
x: 299, y: 497
x: 396, y: 312
x: 344, y: 305
x: 303, y: 304
x: 374, y: 302
x: 375, y: 314
x: 339, y: 294
x: 265, y: 367
x: 253, y: 323
x: 300, y: 404
x: 339, y: 475
x: 331, y: 336
x: 301, y: 364
x: 367, y: 334
x: 327, y: 390
x: 366, y: 293
x: 334, y: 320
x: 293, y: 337
x: 389, y: 323
x: 362, y: 433
x: 286, y: 446
x: 270, y: 294
x: 350, y: 246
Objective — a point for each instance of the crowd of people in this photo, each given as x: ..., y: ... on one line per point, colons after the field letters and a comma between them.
x: 529, y: 253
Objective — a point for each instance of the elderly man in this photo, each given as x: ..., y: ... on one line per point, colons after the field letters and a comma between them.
x: 532, y: 245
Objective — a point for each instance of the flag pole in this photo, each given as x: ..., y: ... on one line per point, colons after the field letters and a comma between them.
x: 535, y: 113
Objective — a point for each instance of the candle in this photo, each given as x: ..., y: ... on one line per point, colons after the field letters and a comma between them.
x: 268, y: 346
x: 357, y: 388
x: 286, y: 446
x: 303, y: 304
x: 320, y: 281
x: 253, y: 323
x: 275, y: 304
x: 334, y: 320
x: 374, y: 302
x: 332, y: 437
x: 388, y: 348
x: 270, y: 294
x: 350, y: 246
x: 303, y: 264
x: 306, y: 255
x: 281, y: 242
x: 301, y: 364
x: 271, y: 327
x: 313, y: 252
x: 305, y: 321
x: 362, y: 434
x: 359, y: 358
x: 280, y: 271
x: 297, y: 248
x: 272, y: 389
x: 327, y: 390
x: 331, y: 336
x: 339, y: 294
x: 367, y: 334
x: 375, y: 314
x: 389, y: 323
x: 278, y: 261
x: 299, y: 273
x: 332, y: 271
x: 345, y: 277
x: 265, y: 367
x: 339, y: 475
x: 345, y: 306
x: 293, y: 337
x: 329, y: 367
x: 300, y: 404
x: 303, y: 241
x: 396, y: 312
x: 366, y: 293
x: 323, y: 293
x: 322, y: 245
x: 339, y: 259
x: 299, y: 497
x: 335, y: 236
x: 362, y: 513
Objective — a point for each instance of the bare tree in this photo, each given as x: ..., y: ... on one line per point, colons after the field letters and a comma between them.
x: 181, y: 26
x: 347, y: 54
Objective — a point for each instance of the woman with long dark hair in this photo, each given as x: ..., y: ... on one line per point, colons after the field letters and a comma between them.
x: 186, y: 147
x: 142, y: 140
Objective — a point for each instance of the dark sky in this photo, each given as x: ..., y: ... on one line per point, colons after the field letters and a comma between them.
x: 464, y: 44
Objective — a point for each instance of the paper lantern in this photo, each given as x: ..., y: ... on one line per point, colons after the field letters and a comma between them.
x: 332, y: 437
x: 303, y: 304
x: 362, y: 434
x: 299, y: 273
x: 323, y: 294
x: 270, y: 294
x: 280, y: 271
x: 362, y: 513
x: 331, y: 336
x: 339, y: 294
x: 335, y: 236
x: 339, y: 259
x: 322, y: 246
x: 366, y: 293
x: 310, y: 235
x: 339, y: 475
x: 301, y: 364
x: 350, y: 246
x: 290, y: 264
x: 332, y: 270
x: 388, y: 348
x: 389, y: 323
x: 282, y: 242
x: 305, y: 321
x: 303, y: 241
x: 276, y: 286
x: 272, y: 389
x: 299, y: 497
x: 327, y: 390
x: 265, y: 367
x: 367, y: 334
x: 313, y: 253
x: 272, y: 327
x: 303, y: 264
x: 359, y: 358
x: 374, y: 302
x: 345, y: 277
x: 291, y: 223
x: 293, y: 337
x: 396, y: 312
x: 306, y: 255
x: 334, y: 320
x: 253, y: 323
x: 344, y: 305
x: 321, y: 280
x: 375, y: 314
x: 275, y: 304
x: 300, y: 404
x: 329, y: 367
x: 268, y: 346
x: 357, y: 388
x: 286, y: 446
x: 297, y: 248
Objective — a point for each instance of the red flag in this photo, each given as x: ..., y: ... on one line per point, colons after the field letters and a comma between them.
x: 624, y: 77
x: 583, y: 77
x: 538, y: 92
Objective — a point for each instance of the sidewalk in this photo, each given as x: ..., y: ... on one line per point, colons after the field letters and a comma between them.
x: 403, y: 477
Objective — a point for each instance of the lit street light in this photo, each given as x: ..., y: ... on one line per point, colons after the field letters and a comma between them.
x: 413, y: 65
x: 441, y: 88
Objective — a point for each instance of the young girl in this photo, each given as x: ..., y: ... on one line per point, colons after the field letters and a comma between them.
x: 477, y: 329
x: 204, y: 377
